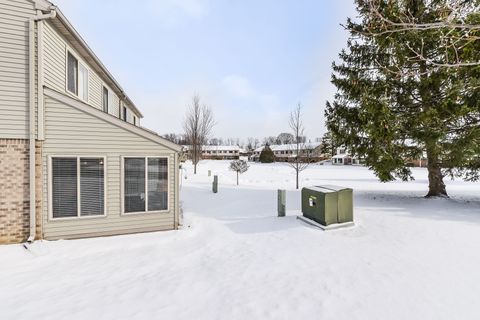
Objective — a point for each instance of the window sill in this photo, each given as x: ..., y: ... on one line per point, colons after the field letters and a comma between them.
x: 146, y: 213
x: 51, y: 219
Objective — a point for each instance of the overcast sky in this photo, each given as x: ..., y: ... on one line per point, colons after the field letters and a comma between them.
x: 251, y: 61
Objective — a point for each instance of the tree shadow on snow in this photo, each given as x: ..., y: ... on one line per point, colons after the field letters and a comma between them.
x: 407, y: 203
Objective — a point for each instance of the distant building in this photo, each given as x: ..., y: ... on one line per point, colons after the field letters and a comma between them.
x: 343, y: 157
x: 217, y: 152
x: 287, y: 152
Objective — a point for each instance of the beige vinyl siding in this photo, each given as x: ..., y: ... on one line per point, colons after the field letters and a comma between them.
x: 70, y: 131
x: 14, y: 15
x: 95, y: 90
x: 114, y: 107
x: 54, y: 59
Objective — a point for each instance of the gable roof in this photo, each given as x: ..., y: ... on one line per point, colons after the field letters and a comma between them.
x: 76, y: 41
x: 77, y: 104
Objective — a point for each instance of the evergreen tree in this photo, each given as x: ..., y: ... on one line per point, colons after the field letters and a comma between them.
x: 328, y: 145
x: 267, y: 156
x: 392, y: 106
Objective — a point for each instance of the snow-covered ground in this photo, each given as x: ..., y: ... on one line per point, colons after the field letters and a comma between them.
x: 407, y: 258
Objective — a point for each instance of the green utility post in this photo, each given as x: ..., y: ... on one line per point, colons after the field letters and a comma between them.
x: 281, y: 202
x: 215, y: 184
x: 209, y: 173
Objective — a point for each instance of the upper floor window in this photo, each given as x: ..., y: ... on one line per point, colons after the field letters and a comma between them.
x: 105, y: 99
x: 134, y: 120
x: 124, y: 113
x: 77, y: 77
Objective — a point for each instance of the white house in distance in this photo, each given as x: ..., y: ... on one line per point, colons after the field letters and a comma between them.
x: 217, y: 152
x: 342, y: 157
x: 221, y: 152
x: 285, y: 152
x: 74, y: 161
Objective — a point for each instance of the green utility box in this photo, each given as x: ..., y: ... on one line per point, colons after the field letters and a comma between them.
x: 328, y: 204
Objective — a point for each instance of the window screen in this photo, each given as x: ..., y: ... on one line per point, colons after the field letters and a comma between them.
x: 134, y: 184
x: 64, y: 187
x: 157, y: 184
x: 92, y: 186
x: 72, y: 73
x: 105, y: 99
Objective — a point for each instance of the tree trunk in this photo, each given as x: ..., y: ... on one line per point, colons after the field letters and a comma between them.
x: 194, y: 168
x: 237, y: 178
x: 436, y: 187
x: 297, y: 178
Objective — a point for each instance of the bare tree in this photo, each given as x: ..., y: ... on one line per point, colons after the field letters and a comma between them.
x: 456, y: 28
x: 239, y: 166
x: 301, y: 159
x: 198, y: 125
x: 285, y: 138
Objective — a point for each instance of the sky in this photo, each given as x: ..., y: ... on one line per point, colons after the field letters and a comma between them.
x: 250, y: 61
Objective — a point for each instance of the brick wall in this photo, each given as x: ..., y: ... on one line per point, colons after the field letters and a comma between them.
x: 14, y: 190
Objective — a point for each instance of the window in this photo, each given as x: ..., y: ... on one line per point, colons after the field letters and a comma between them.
x: 134, y: 120
x: 78, y: 187
x: 72, y: 73
x: 145, y: 184
x: 105, y: 99
x: 124, y: 113
x: 77, y: 77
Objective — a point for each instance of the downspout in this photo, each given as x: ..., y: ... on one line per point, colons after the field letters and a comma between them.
x: 31, y: 115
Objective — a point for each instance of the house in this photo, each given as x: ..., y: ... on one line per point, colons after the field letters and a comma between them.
x: 286, y: 152
x: 217, y: 152
x: 74, y: 160
x: 221, y: 152
x: 343, y: 157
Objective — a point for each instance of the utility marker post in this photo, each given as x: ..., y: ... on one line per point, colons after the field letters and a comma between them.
x: 281, y: 201
x: 215, y: 184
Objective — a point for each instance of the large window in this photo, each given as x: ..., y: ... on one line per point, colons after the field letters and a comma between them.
x: 78, y: 187
x: 77, y: 77
x: 145, y: 184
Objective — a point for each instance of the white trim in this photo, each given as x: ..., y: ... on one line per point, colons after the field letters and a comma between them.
x: 40, y: 81
x: 75, y: 103
x: 50, y: 187
x: 122, y: 183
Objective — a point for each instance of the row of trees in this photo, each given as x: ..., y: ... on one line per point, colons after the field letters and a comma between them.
x: 249, y: 144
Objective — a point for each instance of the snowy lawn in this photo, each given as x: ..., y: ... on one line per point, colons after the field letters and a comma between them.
x: 407, y: 258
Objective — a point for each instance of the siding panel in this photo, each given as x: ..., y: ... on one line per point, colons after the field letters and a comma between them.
x: 14, y: 15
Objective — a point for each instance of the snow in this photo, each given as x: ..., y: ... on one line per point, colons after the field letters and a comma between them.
x: 406, y: 258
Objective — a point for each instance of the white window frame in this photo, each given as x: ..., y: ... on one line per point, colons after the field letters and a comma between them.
x: 50, y: 187
x: 122, y: 185
x: 80, y: 62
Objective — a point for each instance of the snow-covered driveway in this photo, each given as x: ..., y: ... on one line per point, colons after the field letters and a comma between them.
x: 407, y: 258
